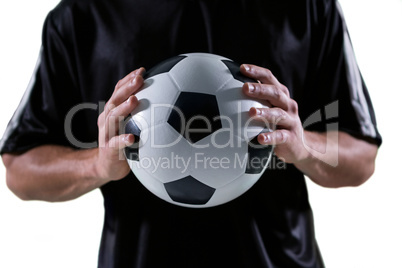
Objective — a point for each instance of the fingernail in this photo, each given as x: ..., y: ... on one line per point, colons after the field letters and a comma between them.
x: 126, y: 140
x: 251, y: 88
x: 279, y: 136
x: 246, y: 67
x: 267, y: 138
x: 141, y: 71
x: 258, y: 111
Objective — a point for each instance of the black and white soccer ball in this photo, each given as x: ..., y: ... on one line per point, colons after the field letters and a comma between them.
x: 195, y: 143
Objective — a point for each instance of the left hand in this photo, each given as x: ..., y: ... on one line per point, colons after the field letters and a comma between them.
x: 288, y: 135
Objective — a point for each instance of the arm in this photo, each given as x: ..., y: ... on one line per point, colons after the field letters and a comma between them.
x: 348, y: 161
x: 52, y: 173
x: 333, y: 159
x: 57, y: 173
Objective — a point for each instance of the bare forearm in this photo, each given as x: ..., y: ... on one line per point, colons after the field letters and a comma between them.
x: 52, y: 173
x: 337, y: 159
x: 57, y: 173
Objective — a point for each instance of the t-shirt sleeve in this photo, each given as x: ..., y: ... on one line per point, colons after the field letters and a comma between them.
x: 40, y: 116
x: 334, y: 79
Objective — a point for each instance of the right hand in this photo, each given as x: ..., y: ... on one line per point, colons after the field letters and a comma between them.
x: 111, y: 163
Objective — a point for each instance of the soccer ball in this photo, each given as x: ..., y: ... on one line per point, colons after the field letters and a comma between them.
x: 195, y: 143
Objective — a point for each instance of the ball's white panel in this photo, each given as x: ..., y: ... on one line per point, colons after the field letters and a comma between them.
x: 216, y: 158
x: 155, y: 101
x: 165, y: 154
x: 148, y: 180
x: 205, y: 55
x: 200, y: 73
x: 134, y: 165
x: 234, y: 107
x: 233, y: 190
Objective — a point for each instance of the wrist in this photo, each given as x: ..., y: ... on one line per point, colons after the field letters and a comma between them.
x: 310, y: 145
x: 96, y: 170
x: 322, y: 155
x: 106, y: 167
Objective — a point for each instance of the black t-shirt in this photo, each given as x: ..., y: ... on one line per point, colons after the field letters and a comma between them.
x: 89, y: 45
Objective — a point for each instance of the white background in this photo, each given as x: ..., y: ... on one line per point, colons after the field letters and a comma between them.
x: 355, y: 227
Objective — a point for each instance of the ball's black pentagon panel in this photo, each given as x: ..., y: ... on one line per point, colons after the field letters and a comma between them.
x: 131, y: 152
x: 234, y: 69
x: 258, y: 155
x: 195, y: 115
x: 189, y: 191
x: 164, y: 66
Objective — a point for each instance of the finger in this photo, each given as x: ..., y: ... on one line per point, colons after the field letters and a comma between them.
x: 118, y: 114
x: 271, y: 93
x: 124, y: 92
x: 259, y: 73
x: 121, y: 141
x: 276, y: 137
x: 130, y: 76
x: 101, y: 119
x: 124, y: 88
x: 125, y: 108
x: 275, y: 116
x: 262, y: 74
x: 127, y: 89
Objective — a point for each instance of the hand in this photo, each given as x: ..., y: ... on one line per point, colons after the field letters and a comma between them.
x: 111, y: 163
x: 288, y: 135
